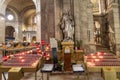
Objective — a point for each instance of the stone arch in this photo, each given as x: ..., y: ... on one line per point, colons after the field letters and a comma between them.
x: 9, y: 30
x: 27, y: 8
x: 13, y: 9
x: 5, y: 3
x: 3, y: 6
x: 33, y: 39
x: 14, y: 12
x: 27, y: 19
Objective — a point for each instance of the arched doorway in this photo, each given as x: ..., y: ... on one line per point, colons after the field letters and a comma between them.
x: 34, y: 39
x: 24, y: 39
x: 9, y: 33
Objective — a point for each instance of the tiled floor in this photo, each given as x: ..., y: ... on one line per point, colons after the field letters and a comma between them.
x: 61, y: 76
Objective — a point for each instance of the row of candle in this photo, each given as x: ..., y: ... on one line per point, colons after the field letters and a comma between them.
x: 22, y: 61
x: 102, y: 59
x: 26, y: 58
x: 103, y: 63
x: 100, y: 54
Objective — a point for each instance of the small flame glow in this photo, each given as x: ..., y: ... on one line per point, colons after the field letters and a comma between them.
x: 97, y: 60
x: 22, y: 60
x: 93, y: 56
x: 100, y: 56
x: 20, y: 57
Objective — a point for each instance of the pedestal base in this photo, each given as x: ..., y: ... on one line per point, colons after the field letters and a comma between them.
x: 15, y: 73
x: 67, y: 50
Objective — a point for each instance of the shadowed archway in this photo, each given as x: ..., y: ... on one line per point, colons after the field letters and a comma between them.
x: 9, y: 33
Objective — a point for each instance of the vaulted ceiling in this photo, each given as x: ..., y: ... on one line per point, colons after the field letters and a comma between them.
x: 25, y: 8
x: 20, y: 5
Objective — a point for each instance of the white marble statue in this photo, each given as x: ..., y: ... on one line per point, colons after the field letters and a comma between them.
x: 67, y: 26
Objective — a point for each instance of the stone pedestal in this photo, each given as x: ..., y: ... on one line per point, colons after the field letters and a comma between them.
x: 15, y: 73
x: 67, y: 50
x: 109, y: 74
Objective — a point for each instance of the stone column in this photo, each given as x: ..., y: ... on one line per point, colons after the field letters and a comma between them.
x: 58, y: 15
x: 2, y: 28
x: 83, y: 20
x: 38, y: 25
x: 77, y: 17
x: 116, y: 21
x: 90, y: 24
x: 16, y: 31
x: 20, y: 37
x: 38, y: 19
x: 3, y: 5
x: 90, y: 31
x: 48, y: 20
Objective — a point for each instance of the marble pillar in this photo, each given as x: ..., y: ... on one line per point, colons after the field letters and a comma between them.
x: 38, y: 25
x: 20, y: 38
x: 77, y: 19
x: 83, y: 20
x: 116, y: 24
x: 47, y: 22
x: 58, y: 14
x: 2, y: 28
x: 90, y: 32
x: 38, y: 20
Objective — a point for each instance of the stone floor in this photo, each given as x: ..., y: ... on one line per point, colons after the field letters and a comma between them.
x: 61, y: 76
